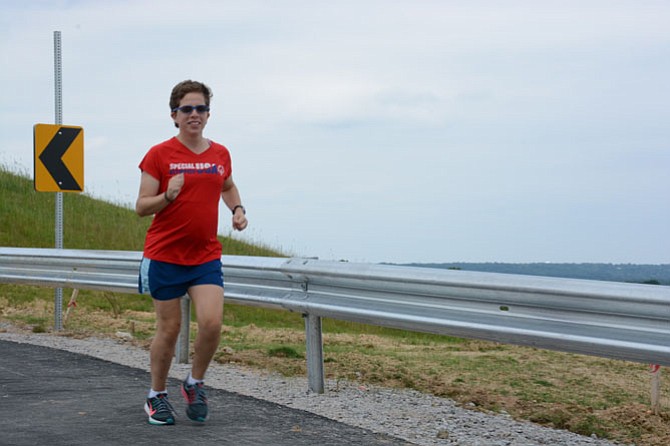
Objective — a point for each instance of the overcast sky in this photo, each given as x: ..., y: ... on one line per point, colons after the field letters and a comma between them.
x: 376, y: 130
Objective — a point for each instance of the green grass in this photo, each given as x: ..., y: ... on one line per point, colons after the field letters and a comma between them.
x: 27, y: 220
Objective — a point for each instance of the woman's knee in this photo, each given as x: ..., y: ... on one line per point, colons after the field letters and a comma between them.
x: 168, y: 331
x: 210, y: 325
x: 168, y: 317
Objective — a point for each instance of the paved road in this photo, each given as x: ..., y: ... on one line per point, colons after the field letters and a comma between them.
x: 53, y: 397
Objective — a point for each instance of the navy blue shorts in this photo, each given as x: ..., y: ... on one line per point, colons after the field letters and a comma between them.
x: 165, y: 281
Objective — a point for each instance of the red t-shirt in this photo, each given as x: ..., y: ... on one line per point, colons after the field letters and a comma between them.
x: 184, y: 232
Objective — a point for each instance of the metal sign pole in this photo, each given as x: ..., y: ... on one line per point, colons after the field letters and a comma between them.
x: 58, y: 76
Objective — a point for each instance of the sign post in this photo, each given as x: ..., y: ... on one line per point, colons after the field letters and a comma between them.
x: 59, y: 163
x: 58, y: 98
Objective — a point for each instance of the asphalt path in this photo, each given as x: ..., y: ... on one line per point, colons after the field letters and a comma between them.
x: 54, y: 397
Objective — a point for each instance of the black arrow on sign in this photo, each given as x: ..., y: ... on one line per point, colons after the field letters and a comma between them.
x: 52, y: 158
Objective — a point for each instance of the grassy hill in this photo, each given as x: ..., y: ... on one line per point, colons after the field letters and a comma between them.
x: 27, y: 220
x: 583, y: 394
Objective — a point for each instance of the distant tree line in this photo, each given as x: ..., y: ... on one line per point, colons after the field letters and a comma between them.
x: 625, y: 272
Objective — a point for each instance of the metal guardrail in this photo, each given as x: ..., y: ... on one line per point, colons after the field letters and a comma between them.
x: 615, y: 320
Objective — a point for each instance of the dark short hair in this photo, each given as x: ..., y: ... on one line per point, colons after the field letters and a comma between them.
x: 185, y: 87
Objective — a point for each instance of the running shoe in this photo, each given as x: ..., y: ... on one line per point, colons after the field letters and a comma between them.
x: 196, y: 398
x: 160, y: 410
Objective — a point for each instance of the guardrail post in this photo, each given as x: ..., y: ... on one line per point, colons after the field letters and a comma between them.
x: 183, y: 341
x: 656, y: 389
x: 314, y: 344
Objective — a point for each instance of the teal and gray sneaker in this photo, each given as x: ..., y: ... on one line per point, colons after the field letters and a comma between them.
x: 196, y: 398
x: 160, y: 410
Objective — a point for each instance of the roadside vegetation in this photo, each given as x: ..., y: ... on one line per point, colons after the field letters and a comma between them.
x: 587, y: 395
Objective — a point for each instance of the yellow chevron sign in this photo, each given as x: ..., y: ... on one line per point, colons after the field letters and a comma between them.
x: 59, y: 158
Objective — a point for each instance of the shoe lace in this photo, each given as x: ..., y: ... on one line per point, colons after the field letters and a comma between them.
x: 161, y: 403
x: 196, y: 394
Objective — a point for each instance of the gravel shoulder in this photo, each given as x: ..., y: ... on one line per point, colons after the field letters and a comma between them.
x: 421, y: 419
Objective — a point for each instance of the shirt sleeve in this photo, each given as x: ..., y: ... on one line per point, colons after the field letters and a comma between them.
x: 150, y: 164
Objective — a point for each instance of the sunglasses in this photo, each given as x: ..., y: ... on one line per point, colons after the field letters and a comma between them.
x: 188, y: 109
